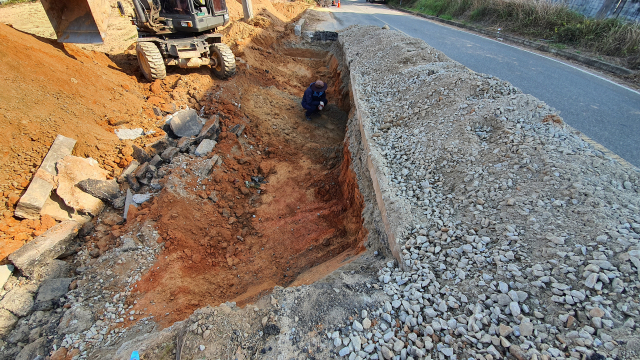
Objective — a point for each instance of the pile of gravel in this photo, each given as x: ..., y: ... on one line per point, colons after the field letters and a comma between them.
x: 517, y: 237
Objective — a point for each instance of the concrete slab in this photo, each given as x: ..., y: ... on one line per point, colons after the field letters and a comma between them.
x: 45, y: 247
x: 38, y: 191
x: 72, y: 170
x: 5, y: 273
x: 205, y: 147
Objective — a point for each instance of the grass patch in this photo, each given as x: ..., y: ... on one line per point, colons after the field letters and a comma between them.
x: 14, y: 2
x: 540, y: 19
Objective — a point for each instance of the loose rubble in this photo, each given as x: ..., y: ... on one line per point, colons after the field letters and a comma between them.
x: 519, y: 238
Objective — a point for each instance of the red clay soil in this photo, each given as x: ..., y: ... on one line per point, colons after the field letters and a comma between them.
x: 250, y: 239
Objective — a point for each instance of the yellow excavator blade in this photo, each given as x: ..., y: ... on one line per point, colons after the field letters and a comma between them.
x: 78, y: 21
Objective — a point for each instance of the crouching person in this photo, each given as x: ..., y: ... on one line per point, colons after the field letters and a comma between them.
x: 315, y: 98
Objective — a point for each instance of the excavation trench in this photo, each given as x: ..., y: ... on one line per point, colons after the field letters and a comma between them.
x: 227, y: 237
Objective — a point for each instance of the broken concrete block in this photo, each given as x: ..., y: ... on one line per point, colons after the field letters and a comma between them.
x: 34, y: 350
x: 7, y: 321
x: 57, y: 209
x: 205, y: 147
x: 206, y: 166
x: 140, y: 155
x: 140, y: 198
x: 50, y: 292
x: 128, y: 134
x: 129, y: 170
x: 159, y: 146
x: 184, y: 143
x: 38, y: 191
x: 72, y: 170
x: 141, y: 171
x: 186, y: 123
x: 133, y: 182
x: 119, y: 202
x: 78, y: 319
x: 128, y: 201
x: 45, y: 247
x: 5, y: 273
x: 156, y: 161
x: 19, y: 301
x: 210, y: 130
x: 106, y: 190
x: 168, y: 154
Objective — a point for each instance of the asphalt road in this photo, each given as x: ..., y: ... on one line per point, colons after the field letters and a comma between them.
x: 604, y: 111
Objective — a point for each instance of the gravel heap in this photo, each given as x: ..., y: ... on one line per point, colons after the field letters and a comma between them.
x: 517, y: 237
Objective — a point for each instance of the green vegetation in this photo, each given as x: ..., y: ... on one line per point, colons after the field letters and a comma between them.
x: 13, y: 2
x: 540, y: 19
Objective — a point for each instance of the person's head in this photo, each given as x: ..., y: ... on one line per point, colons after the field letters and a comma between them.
x: 319, y: 85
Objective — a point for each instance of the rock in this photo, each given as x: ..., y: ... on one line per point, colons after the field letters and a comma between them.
x: 128, y: 171
x: 556, y: 240
x: 42, y: 183
x: 44, y: 248
x: 53, y: 289
x: 357, y: 326
x: 186, y: 123
x: 398, y: 345
x: 206, y: 166
x: 237, y: 129
x: 505, y: 330
x: 77, y: 319
x: 344, y: 351
x: 210, y: 130
x: 591, y: 280
x: 515, y: 309
x: 127, y: 203
x: 366, y: 323
x: 128, y: 134
x: 447, y: 351
x: 156, y: 161
x: 386, y: 353
x: 140, y: 198
x: 526, y: 329
x: 7, y: 321
x: 140, y: 155
x: 106, y: 190
x: 517, y: 352
x: 72, y: 170
x: 34, y: 350
x: 205, y: 147
x: 19, y: 301
x: 5, y: 273
x: 185, y: 143
x: 504, y: 299
x: 169, y: 153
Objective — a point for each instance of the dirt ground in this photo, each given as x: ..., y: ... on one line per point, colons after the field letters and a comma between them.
x: 50, y: 88
x: 222, y: 240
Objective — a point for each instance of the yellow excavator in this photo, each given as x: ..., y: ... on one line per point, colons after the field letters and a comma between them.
x: 170, y: 32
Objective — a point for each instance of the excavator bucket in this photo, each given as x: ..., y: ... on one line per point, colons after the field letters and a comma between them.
x: 78, y: 21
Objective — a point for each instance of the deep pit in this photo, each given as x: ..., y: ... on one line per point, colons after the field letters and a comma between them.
x: 228, y: 238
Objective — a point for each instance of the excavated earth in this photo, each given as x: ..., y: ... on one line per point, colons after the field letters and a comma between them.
x: 429, y: 212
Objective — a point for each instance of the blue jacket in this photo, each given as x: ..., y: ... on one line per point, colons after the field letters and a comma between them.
x: 311, y: 98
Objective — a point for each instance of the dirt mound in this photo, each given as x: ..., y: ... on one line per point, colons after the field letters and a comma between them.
x: 48, y: 89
